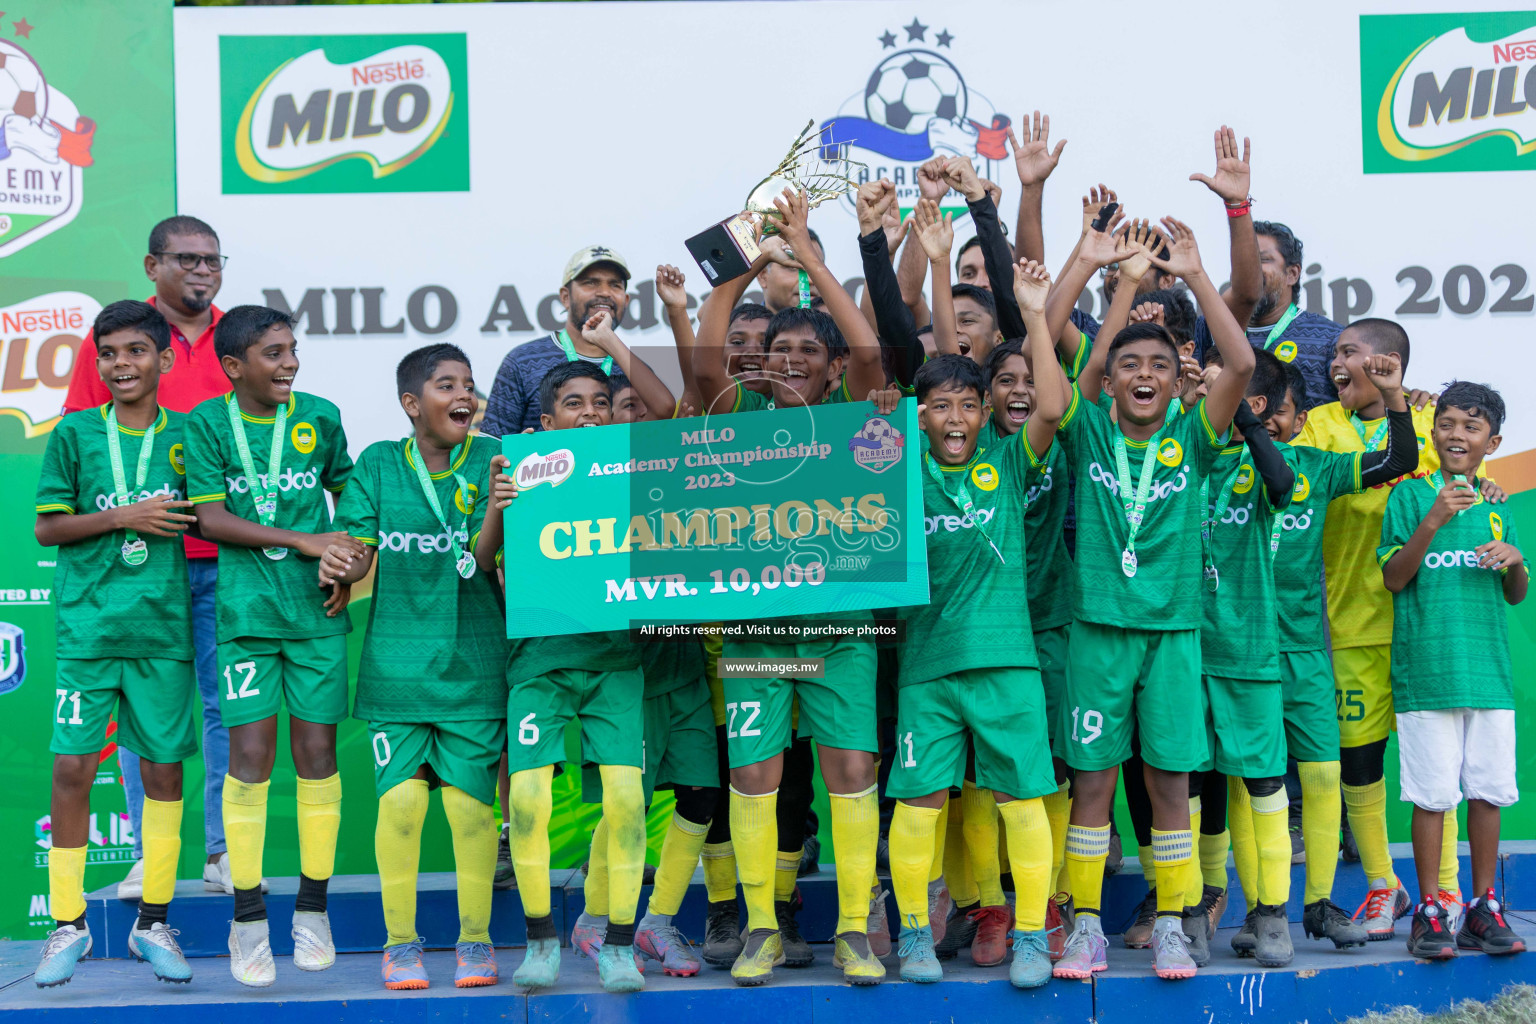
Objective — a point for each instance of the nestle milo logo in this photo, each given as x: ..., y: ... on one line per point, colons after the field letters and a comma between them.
x: 345, y: 113
x: 1448, y: 92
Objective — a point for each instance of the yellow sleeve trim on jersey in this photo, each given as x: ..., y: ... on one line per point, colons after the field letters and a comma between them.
x: 1035, y: 461
x: 367, y: 540
x: 56, y: 506
x: 1072, y: 403
x: 1356, y: 483
x: 1210, y: 431
x: 1079, y: 358
x: 337, y: 489
x: 198, y: 499
x: 1383, y: 557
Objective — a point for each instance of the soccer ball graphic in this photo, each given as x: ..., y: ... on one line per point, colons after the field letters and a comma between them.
x: 910, y: 88
x: 878, y: 429
x: 22, y: 89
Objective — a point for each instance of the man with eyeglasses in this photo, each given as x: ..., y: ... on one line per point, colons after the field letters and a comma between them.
x: 187, y: 269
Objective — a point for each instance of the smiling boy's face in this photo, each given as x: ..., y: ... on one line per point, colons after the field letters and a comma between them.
x: 266, y: 372
x: 446, y: 406
x: 744, y: 348
x: 953, y: 416
x: 1348, y: 370
x: 1142, y: 379
x: 581, y: 402
x: 799, y: 367
x: 1013, y: 394
x: 1462, y: 440
x: 129, y: 364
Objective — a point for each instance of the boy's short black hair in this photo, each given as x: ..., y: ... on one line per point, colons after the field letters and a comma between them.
x: 979, y: 295
x: 1295, y: 385
x: 133, y: 315
x: 1140, y: 332
x: 949, y: 370
x: 750, y: 311
x: 821, y: 324
x: 1383, y: 336
x: 618, y: 382
x: 968, y: 245
x: 1285, y: 240
x: 1474, y: 400
x: 161, y: 233
x: 1178, y: 311
x: 1268, y: 379
x: 417, y: 367
x: 243, y: 326
x: 564, y: 373
x: 1000, y: 355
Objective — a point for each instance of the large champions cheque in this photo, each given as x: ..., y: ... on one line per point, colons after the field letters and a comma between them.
x: 753, y: 515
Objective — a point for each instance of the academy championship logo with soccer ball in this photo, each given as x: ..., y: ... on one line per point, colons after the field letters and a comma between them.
x: 44, y: 147
x: 915, y: 105
x: 878, y: 445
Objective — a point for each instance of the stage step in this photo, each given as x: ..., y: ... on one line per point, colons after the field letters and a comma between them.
x: 1320, y: 985
x: 357, y: 917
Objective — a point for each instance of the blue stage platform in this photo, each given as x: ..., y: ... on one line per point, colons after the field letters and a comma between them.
x: 1320, y: 985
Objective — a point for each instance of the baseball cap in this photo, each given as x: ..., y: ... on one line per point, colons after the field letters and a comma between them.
x: 587, y: 256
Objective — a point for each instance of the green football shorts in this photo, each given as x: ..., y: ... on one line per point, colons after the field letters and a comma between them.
x: 257, y: 675
x: 1051, y: 649
x: 1246, y: 718
x: 158, y: 709
x: 464, y: 755
x: 998, y: 711
x: 837, y: 710
x: 680, y: 746
x: 1311, y: 712
x: 1120, y: 678
x: 608, y: 704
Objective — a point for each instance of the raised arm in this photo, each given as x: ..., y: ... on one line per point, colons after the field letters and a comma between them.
x: 1031, y: 284
x: 1183, y: 260
x: 598, y: 330
x: 936, y: 236
x: 1101, y: 246
x: 864, y: 372
x: 994, y: 247
x: 1034, y: 160
x: 1231, y: 183
x: 717, y: 389
x: 1100, y: 202
x: 893, y: 320
x: 674, y: 303
x: 1401, y: 455
x: 1277, y: 474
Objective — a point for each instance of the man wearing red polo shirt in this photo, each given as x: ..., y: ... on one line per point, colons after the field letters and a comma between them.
x: 187, y: 269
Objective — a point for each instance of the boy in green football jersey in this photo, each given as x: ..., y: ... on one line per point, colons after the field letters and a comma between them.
x: 112, y: 499
x: 1306, y: 673
x: 282, y: 636
x: 1443, y: 547
x: 969, y: 672
x: 1134, y: 651
x: 595, y: 677
x: 807, y: 352
x: 432, y: 682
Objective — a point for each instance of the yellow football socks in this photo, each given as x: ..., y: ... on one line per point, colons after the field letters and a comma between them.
x: 1194, y: 876
x: 786, y: 868
x: 1171, y: 855
x: 1272, y: 836
x: 1321, y: 809
x: 1148, y: 863
x: 66, y: 882
x: 245, y: 829
x: 532, y: 803
x: 1087, y: 849
x: 755, y: 835
x: 474, y: 861
x: 1058, y: 810
x: 719, y: 861
x: 1368, y: 821
x: 940, y: 832
x: 1448, y: 862
x: 981, y: 843
x: 397, y: 851
x: 911, y: 846
x: 679, y: 855
x: 162, y: 848
x: 1213, y: 858
x: 957, y: 859
x: 624, y: 810
x: 1245, y: 852
x: 1028, y: 829
x: 319, y: 822
x: 855, y: 834
x: 595, y: 888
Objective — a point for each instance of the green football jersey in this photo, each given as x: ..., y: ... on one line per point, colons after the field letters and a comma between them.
x: 1321, y: 476
x: 107, y: 608
x: 436, y: 645
x: 751, y: 401
x: 256, y: 595
x: 670, y: 665
x: 591, y: 652
x: 977, y: 615
x: 1450, y: 633
x: 1239, y: 637
x: 1049, y: 500
x: 1164, y: 594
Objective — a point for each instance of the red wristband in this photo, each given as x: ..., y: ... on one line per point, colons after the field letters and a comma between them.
x: 1240, y: 209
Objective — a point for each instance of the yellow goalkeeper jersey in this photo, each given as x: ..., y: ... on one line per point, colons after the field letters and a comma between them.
x: 1359, y: 606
